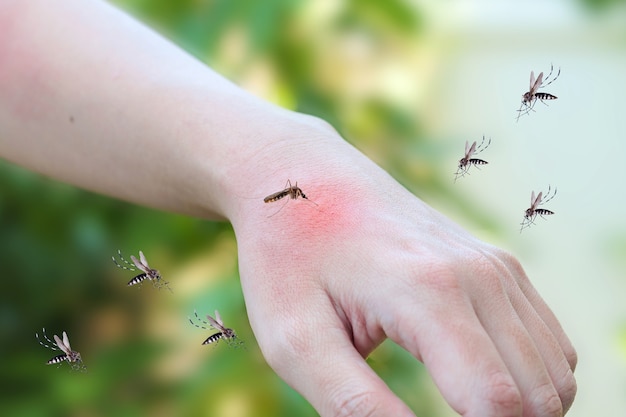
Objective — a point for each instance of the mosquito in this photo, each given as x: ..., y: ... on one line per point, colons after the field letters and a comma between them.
x: 69, y: 355
x: 291, y: 191
x: 529, y: 99
x: 141, y: 264
x: 466, y: 162
x: 533, y: 211
x: 216, y: 324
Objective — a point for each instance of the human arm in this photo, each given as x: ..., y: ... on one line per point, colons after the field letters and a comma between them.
x: 94, y: 99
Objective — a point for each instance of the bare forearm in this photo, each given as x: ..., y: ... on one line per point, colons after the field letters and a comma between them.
x: 93, y: 98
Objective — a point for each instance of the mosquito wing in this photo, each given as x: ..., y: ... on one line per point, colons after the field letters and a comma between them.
x: 276, y: 196
x: 66, y: 341
x: 140, y: 265
x: 538, y: 199
x: 143, y: 259
x: 64, y: 344
x: 218, y: 318
x: 471, y: 151
x: 216, y: 322
x: 534, y: 87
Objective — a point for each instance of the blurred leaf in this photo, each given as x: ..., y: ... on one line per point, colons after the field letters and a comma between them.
x: 602, y: 5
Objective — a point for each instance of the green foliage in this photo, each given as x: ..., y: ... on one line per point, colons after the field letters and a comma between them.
x: 602, y: 5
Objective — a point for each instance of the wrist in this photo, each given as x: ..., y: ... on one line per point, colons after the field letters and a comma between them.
x: 285, y: 146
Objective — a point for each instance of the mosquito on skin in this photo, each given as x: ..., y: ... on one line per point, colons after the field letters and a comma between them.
x: 466, y: 162
x: 291, y: 191
x: 71, y: 356
x: 141, y: 264
x: 533, y: 211
x: 529, y: 98
x: 216, y: 323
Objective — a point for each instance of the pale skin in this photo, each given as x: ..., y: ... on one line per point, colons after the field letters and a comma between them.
x: 93, y: 98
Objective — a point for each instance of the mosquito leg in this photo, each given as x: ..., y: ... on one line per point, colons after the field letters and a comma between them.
x: 281, y: 207
x: 546, y: 82
x: 548, y: 77
x: 481, y: 147
x: 130, y: 266
x: 526, y: 108
x: 160, y: 283
x: 53, y: 344
x: 549, y: 197
x: 42, y: 343
x: 195, y: 313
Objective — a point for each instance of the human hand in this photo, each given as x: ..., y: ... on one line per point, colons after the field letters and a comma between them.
x: 326, y: 284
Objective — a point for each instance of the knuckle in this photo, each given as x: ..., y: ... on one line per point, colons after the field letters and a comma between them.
x: 503, y: 396
x: 504, y: 258
x: 360, y: 404
x: 567, y: 389
x: 438, y: 276
x: 510, y: 261
x: 286, y: 343
x: 545, y: 401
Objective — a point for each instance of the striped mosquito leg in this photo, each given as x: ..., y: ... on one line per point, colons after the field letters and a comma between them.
x: 201, y: 320
x: 546, y: 82
x: 160, y: 283
x: 460, y: 173
x: 130, y: 266
x: 527, y: 107
x: 78, y: 366
x: 52, y: 345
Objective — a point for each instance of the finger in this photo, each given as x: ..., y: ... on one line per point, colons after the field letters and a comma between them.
x: 520, y: 354
x: 535, y: 362
x: 458, y: 353
x: 551, y: 351
x: 326, y: 369
x: 553, y: 345
x: 548, y: 317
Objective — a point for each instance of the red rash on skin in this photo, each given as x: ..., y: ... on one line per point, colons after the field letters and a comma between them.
x: 302, y: 224
x: 325, y: 212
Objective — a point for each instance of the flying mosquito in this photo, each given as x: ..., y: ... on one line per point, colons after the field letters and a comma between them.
x: 529, y: 99
x: 533, y: 211
x: 141, y: 264
x: 466, y: 162
x: 217, y: 324
x: 69, y: 355
x: 291, y: 191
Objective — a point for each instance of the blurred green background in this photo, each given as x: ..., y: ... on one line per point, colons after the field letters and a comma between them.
x: 407, y: 83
